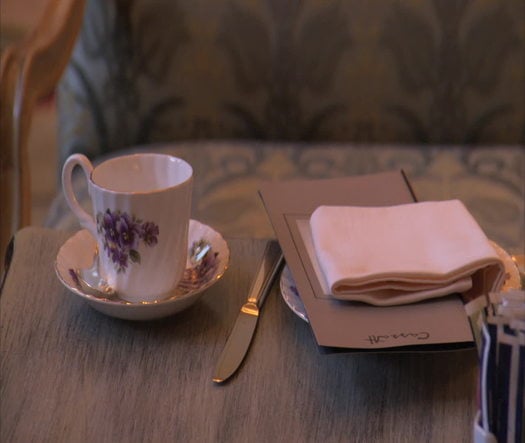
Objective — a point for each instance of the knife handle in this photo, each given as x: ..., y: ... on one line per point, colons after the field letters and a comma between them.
x: 270, y: 264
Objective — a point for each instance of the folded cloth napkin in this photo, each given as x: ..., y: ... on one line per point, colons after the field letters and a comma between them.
x: 403, y: 254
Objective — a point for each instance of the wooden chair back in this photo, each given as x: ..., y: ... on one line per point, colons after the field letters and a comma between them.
x: 29, y: 71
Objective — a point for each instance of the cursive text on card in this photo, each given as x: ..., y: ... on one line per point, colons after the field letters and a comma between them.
x: 376, y: 339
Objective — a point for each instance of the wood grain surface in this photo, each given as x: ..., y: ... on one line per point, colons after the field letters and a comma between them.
x: 71, y: 374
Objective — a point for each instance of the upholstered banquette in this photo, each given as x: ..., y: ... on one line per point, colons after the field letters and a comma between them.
x: 273, y: 89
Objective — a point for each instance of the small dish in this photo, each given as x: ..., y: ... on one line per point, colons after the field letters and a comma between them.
x: 512, y: 273
x: 291, y: 295
x: 79, y: 251
x: 292, y: 298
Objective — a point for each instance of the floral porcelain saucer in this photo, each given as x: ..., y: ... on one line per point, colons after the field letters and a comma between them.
x: 79, y: 252
x: 292, y: 298
x: 291, y: 295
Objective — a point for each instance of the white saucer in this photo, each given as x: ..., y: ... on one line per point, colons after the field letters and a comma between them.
x: 79, y: 251
x: 512, y: 273
x: 292, y: 298
x: 290, y: 294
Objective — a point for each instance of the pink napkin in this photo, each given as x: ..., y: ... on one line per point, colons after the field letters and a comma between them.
x: 403, y: 254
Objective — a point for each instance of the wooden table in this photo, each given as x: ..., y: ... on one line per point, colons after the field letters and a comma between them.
x: 71, y: 374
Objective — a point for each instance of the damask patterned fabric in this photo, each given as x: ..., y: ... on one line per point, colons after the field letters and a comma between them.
x: 389, y: 71
x: 281, y: 89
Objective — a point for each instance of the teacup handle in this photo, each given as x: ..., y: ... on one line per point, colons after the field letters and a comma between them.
x: 86, y: 220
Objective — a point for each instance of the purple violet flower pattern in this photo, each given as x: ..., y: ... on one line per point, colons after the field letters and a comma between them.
x: 122, y: 233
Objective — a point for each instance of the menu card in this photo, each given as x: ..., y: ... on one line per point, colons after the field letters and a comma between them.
x: 435, y: 324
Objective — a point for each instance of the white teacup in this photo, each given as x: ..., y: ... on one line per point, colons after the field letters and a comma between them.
x: 142, y: 205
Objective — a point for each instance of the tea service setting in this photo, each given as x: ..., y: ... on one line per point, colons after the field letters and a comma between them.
x: 141, y: 256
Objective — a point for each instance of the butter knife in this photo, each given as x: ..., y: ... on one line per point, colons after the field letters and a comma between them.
x: 244, y: 328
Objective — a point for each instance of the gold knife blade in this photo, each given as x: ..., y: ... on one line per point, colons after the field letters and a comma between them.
x: 240, y: 338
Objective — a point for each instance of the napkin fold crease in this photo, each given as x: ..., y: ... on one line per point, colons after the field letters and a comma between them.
x: 403, y: 254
